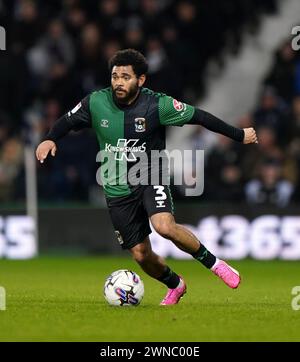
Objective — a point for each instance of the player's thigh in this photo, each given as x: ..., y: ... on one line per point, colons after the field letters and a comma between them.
x: 129, y: 220
x: 158, y: 199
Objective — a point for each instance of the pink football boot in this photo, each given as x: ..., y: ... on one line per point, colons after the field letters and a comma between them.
x: 225, y: 272
x: 173, y: 296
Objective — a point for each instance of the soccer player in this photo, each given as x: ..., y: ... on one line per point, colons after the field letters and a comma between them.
x: 130, y: 120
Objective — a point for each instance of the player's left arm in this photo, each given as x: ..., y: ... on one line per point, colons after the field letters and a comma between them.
x: 213, y: 123
x: 175, y: 113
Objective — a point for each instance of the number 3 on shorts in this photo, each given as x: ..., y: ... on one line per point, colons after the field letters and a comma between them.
x: 161, y: 196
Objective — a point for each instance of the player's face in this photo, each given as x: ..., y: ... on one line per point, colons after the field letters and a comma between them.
x: 125, y: 83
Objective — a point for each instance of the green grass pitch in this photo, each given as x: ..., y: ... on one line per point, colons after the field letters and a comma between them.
x: 61, y: 299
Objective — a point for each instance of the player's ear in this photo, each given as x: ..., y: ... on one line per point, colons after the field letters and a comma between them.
x: 141, y: 80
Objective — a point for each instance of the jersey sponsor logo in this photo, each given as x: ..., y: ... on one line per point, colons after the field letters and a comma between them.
x: 125, y: 149
x: 104, y: 123
x: 75, y: 109
x: 178, y: 105
x: 140, y: 124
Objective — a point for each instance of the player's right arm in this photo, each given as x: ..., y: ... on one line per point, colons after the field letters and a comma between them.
x: 78, y: 118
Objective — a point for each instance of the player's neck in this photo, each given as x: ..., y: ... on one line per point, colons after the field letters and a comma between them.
x: 134, y: 98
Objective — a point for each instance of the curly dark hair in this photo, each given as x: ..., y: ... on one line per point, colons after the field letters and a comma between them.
x: 130, y: 57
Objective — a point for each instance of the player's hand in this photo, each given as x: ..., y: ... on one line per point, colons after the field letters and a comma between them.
x: 250, y: 136
x: 44, y: 148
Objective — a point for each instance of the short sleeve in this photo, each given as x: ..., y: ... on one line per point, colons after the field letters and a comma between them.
x: 173, y: 112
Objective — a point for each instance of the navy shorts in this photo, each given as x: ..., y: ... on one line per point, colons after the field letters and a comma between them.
x: 130, y: 214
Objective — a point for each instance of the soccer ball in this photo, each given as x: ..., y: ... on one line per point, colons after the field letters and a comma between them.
x: 124, y: 288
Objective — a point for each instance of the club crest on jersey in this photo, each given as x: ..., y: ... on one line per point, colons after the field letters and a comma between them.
x: 104, y: 123
x: 140, y: 124
x: 178, y: 105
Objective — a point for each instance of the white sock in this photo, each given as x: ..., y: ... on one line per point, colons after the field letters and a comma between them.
x: 217, y: 260
x: 180, y: 285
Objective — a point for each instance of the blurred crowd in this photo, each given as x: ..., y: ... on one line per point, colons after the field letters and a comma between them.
x: 266, y: 173
x: 57, y: 52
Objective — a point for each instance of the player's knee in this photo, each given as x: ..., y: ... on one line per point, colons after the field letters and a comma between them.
x: 141, y: 256
x: 165, y: 229
x: 141, y: 253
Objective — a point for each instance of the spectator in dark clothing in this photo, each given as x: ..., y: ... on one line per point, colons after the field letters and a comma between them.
x: 269, y: 188
x: 272, y: 114
x: 223, y: 176
x: 282, y: 74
